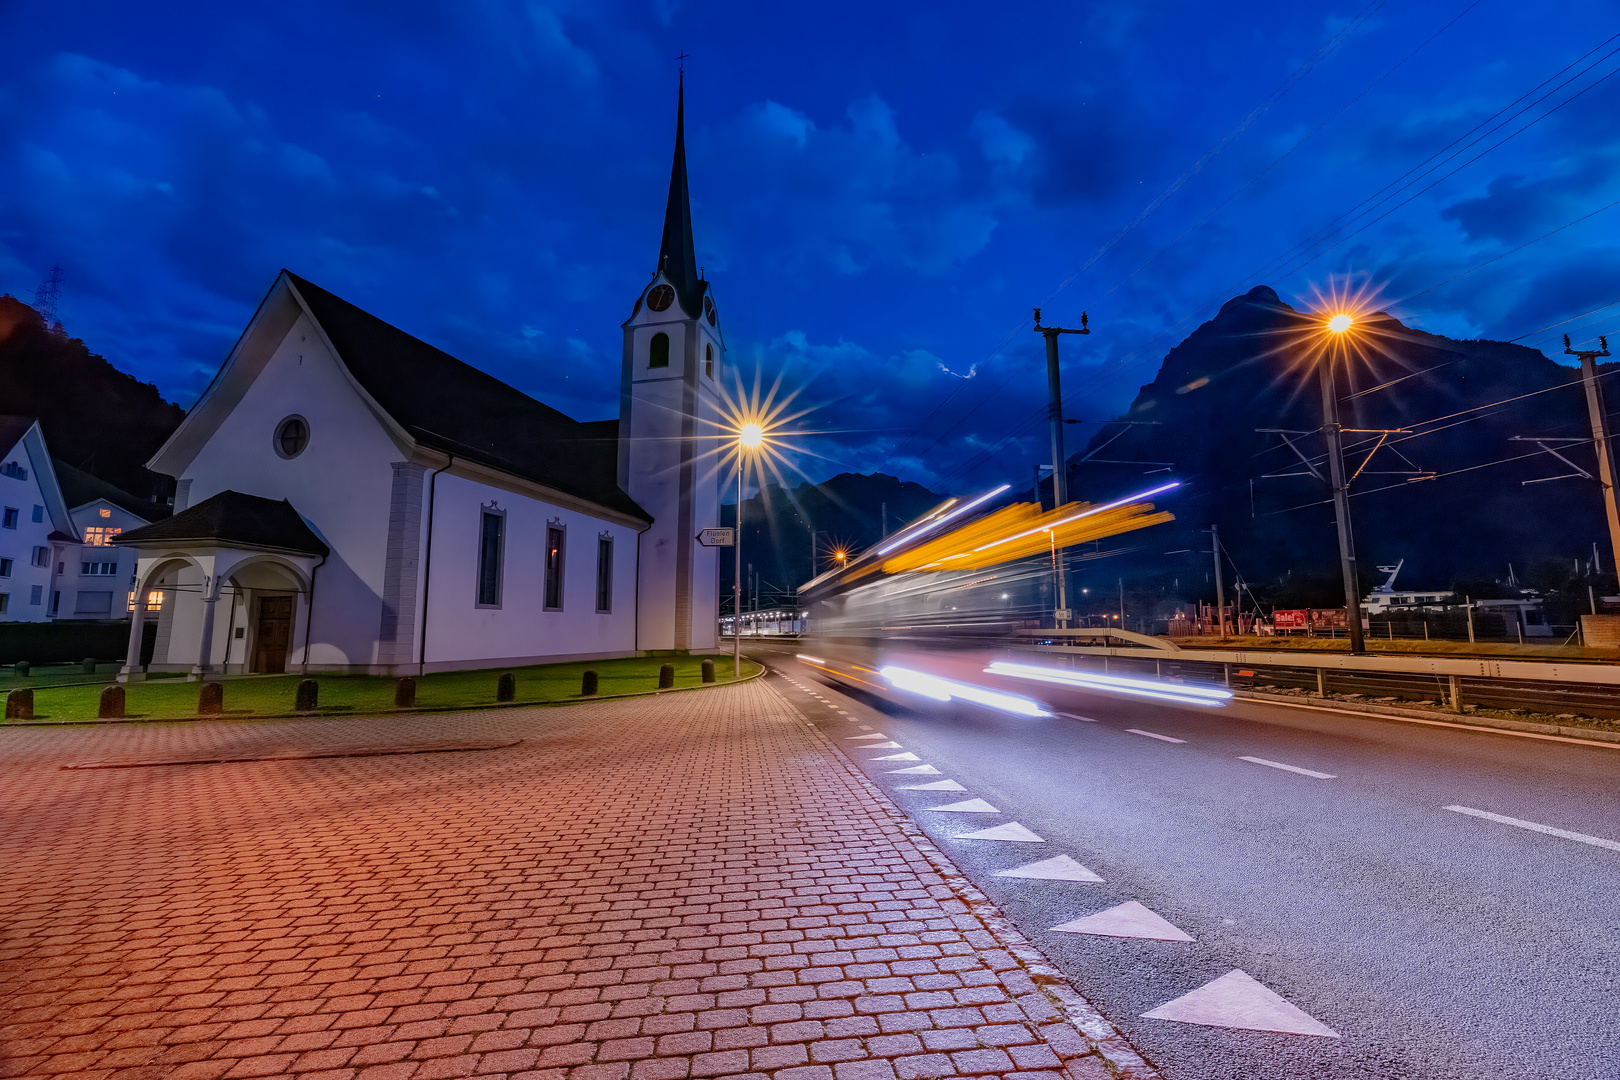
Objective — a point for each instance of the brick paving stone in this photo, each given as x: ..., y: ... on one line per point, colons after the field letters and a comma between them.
x: 693, y: 886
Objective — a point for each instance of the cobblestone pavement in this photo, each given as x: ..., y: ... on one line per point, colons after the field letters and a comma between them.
x: 694, y: 885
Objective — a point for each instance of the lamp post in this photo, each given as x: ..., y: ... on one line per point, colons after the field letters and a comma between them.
x: 1338, y: 326
x: 749, y: 437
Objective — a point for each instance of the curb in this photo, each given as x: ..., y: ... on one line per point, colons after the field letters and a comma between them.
x: 1523, y: 729
x: 1122, y: 1059
x: 427, y: 710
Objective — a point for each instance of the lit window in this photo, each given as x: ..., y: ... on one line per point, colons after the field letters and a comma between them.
x: 100, y: 535
x: 105, y: 512
x: 604, y: 573
x: 658, y: 351
x: 292, y: 435
x: 154, y: 600
x: 555, y: 536
x: 491, y: 539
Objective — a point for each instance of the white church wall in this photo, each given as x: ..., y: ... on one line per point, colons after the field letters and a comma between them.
x: 462, y: 634
x: 340, y: 483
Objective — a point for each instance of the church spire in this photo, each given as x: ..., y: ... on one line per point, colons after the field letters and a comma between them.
x: 677, y: 258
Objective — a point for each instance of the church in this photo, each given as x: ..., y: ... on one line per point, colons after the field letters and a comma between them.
x: 351, y: 499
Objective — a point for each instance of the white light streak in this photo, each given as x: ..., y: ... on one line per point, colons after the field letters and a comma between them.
x: 809, y: 659
x: 1087, y: 680
x: 930, y: 526
x: 932, y: 686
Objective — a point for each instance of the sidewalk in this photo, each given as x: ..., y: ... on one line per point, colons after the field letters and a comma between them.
x: 690, y: 886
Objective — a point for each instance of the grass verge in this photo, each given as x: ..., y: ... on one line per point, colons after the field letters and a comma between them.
x: 343, y: 695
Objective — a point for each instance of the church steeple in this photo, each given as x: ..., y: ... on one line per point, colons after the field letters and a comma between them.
x: 677, y: 259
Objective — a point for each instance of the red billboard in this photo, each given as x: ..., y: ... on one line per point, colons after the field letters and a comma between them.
x: 1295, y: 619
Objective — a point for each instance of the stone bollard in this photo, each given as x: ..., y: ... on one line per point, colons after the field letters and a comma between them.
x: 587, y: 683
x: 666, y: 676
x: 308, y: 698
x: 405, y: 693
x: 20, y: 705
x: 708, y: 671
x: 211, y: 699
x: 20, y: 669
x: 112, y: 702
x: 89, y: 665
x: 506, y: 687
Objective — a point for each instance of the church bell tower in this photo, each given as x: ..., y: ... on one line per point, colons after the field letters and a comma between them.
x: 670, y: 428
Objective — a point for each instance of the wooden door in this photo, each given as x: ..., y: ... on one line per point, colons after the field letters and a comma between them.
x: 274, y: 635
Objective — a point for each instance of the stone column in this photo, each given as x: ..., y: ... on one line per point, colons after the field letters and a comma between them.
x: 205, y: 647
x: 131, y: 671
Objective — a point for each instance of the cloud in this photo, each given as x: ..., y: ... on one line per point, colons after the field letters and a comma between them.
x: 1514, y: 209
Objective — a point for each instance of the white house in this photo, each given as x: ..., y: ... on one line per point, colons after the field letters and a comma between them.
x: 94, y: 581
x: 349, y: 498
x: 35, y: 527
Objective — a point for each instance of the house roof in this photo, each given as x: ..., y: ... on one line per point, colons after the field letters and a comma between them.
x: 236, y: 519
x: 80, y: 487
x: 453, y: 407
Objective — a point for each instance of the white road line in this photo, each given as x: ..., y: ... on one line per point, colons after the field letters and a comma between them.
x: 1290, y: 768
x: 1076, y: 716
x: 1162, y: 738
x: 1595, y: 841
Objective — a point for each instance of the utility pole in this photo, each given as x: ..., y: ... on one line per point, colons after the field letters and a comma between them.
x: 1054, y: 412
x: 1341, y: 502
x: 1600, y: 434
x: 1220, y: 589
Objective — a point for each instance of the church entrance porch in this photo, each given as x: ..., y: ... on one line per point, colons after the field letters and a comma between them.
x: 273, y: 636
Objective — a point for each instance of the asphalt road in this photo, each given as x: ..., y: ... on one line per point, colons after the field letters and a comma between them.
x: 1436, y: 944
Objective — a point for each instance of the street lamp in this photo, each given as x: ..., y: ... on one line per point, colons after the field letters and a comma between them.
x: 750, y: 436
x: 1338, y: 326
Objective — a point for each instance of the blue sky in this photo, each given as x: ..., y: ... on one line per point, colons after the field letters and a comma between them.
x: 881, y: 193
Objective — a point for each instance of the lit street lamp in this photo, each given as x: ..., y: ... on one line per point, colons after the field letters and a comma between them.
x: 1338, y: 326
x: 749, y: 438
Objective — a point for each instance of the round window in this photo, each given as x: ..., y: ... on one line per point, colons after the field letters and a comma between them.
x: 292, y: 435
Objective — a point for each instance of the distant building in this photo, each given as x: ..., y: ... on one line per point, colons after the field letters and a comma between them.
x: 352, y: 499
x: 96, y: 579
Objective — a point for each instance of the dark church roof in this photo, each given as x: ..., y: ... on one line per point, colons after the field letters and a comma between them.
x: 233, y: 518
x: 677, y: 257
x: 453, y: 407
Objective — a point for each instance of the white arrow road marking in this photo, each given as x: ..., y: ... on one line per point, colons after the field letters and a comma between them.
x: 894, y: 757
x: 916, y: 770
x: 937, y: 785
x: 1010, y: 831
x: 1290, y: 768
x: 1595, y: 841
x: 1161, y: 738
x: 880, y: 746
x: 1236, y: 1000
x: 1057, y: 868
x: 1129, y: 919
x: 971, y: 806
x: 874, y: 735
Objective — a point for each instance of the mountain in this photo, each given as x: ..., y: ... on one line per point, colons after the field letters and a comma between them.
x: 94, y: 416
x: 847, y: 511
x: 1445, y: 496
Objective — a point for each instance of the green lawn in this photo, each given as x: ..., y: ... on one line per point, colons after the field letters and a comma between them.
x: 272, y: 695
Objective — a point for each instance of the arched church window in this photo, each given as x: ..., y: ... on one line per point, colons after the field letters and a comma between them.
x: 708, y: 360
x: 658, y: 353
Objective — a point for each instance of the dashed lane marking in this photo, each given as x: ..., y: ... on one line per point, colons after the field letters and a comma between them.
x: 1290, y: 768
x: 1151, y: 735
x: 1129, y: 919
x: 1237, y: 1000
x: 1012, y: 831
x: 969, y: 806
x: 1057, y: 868
x: 1077, y: 716
x: 1520, y: 823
